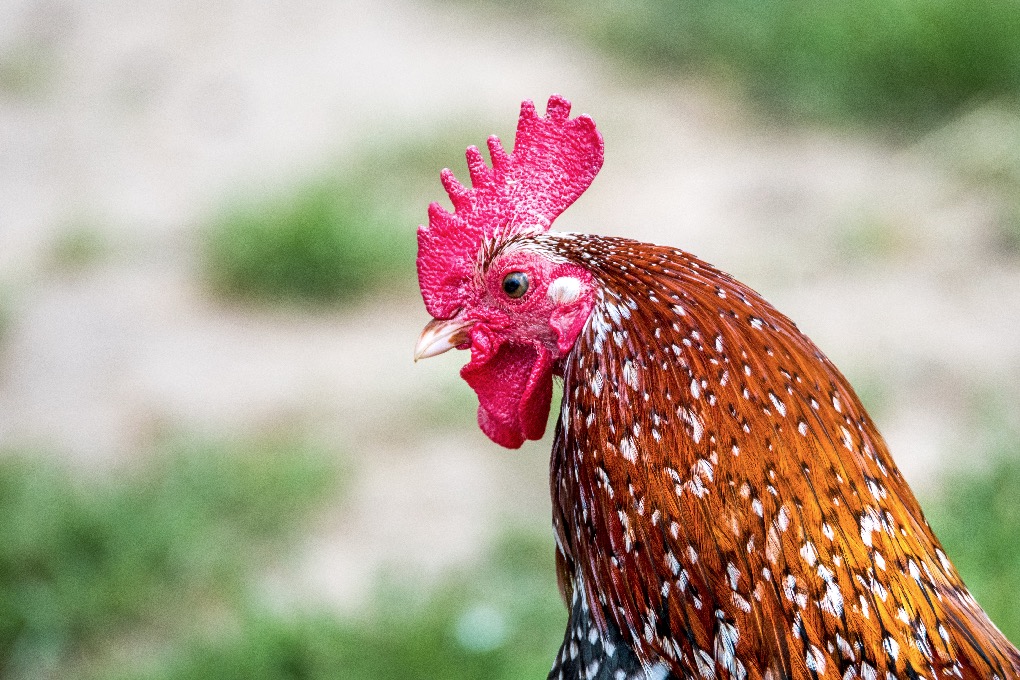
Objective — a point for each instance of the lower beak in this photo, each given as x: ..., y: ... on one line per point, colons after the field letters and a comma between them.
x: 441, y: 335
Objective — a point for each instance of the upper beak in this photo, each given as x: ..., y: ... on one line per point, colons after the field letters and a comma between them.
x: 441, y: 335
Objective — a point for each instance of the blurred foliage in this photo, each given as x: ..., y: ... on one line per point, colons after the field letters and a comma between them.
x: 906, y: 62
x: 337, y: 237
x: 7, y: 312
x: 867, y: 238
x: 505, y: 620
x: 983, y: 146
x: 984, y: 143
x: 873, y: 388
x: 1009, y: 230
x: 84, y: 563
x: 155, y: 576
x: 78, y: 247
x: 26, y: 69
x: 978, y: 521
x: 327, y: 242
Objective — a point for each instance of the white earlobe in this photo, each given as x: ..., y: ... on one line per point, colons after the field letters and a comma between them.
x: 564, y: 290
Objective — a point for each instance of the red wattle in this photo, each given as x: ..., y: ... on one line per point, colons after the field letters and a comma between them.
x: 514, y: 387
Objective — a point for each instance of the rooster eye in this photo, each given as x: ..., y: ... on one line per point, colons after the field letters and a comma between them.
x: 515, y: 284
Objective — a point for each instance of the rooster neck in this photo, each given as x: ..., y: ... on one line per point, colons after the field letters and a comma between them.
x: 722, y: 498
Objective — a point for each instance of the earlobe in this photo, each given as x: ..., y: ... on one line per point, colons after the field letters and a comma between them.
x: 565, y: 290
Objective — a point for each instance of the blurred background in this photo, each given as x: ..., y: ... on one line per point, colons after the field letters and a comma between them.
x: 218, y: 460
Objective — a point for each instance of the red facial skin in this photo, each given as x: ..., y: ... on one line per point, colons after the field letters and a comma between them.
x: 517, y: 345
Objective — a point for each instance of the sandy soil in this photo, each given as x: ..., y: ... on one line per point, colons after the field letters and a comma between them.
x: 146, y: 117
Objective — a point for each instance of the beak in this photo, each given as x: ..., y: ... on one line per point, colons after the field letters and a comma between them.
x: 441, y: 335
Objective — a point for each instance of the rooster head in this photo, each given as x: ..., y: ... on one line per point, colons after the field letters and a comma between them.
x: 489, y: 284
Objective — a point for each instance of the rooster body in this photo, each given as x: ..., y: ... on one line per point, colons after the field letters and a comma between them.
x: 723, y: 506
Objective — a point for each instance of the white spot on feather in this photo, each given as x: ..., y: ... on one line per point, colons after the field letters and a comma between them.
x: 734, y: 575
x: 869, y: 523
x: 628, y: 449
x: 847, y: 439
x: 780, y: 406
x: 614, y: 312
x: 809, y: 554
x: 630, y: 374
x: 726, y: 651
x: 659, y: 671
x: 706, y: 665
x: 891, y: 647
x: 783, y: 520
x: 815, y: 661
x: 694, y: 422
x: 844, y: 647
x: 947, y: 566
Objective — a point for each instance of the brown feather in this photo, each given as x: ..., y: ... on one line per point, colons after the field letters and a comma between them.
x: 723, y: 498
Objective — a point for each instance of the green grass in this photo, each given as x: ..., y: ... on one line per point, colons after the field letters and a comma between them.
x: 83, y: 564
x: 335, y: 238
x: 504, y: 620
x: 902, y: 62
x: 154, y: 575
x: 978, y: 521
x: 327, y: 242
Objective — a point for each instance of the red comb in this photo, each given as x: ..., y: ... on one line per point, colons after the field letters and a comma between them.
x: 555, y: 158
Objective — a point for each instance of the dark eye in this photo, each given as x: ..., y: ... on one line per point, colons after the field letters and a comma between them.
x: 515, y: 284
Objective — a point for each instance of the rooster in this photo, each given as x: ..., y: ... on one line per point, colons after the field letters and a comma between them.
x: 723, y: 506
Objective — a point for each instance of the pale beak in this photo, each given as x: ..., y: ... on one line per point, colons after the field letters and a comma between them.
x: 441, y: 335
